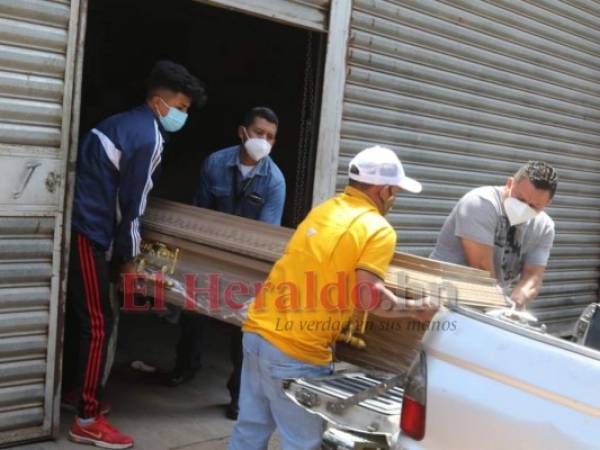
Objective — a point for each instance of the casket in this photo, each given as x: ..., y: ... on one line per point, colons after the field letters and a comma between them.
x: 216, y: 259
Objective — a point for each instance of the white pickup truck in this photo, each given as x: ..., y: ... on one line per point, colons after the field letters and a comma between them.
x: 488, y: 383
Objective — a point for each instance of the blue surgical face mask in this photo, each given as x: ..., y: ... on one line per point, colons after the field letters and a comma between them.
x: 174, y: 120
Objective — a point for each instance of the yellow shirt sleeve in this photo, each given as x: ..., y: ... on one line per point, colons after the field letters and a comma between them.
x: 378, y: 252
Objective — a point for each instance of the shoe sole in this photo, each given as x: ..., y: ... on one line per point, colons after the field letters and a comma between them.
x: 101, y: 444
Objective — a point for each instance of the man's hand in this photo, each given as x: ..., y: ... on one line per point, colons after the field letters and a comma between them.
x: 128, y: 267
x: 529, y: 285
x: 424, y: 309
x: 519, y: 300
x: 421, y: 310
x: 391, y: 306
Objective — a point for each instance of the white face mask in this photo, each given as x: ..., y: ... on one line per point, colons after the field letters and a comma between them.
x: 517, y: 211
x: 257, y: 148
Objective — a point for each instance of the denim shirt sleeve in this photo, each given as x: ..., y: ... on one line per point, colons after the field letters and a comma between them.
x: 203, y: 197
x: 272, y: 210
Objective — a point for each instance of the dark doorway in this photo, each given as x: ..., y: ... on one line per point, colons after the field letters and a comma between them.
x: 244, y: 62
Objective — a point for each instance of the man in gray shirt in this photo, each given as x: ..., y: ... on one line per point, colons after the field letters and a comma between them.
x: 503, y: 230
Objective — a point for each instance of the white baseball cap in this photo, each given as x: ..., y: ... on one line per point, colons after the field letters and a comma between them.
x: 380, y: 166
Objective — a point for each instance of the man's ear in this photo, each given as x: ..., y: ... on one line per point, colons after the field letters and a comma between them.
x: 156, y: 104
x: 510, y: 182
x: 241, y: 133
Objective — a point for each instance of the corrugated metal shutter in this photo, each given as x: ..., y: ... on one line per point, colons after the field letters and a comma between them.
x: 311, y: 14
x: 466, y: 91
x: 25, y: 277
x: 36, y: 70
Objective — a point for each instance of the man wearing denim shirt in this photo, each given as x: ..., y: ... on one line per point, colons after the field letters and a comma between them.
x: 241, y: 180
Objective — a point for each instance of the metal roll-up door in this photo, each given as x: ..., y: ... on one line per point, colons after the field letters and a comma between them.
x: 466, y: 91
x: 310, y: 14
x: 37, y: 43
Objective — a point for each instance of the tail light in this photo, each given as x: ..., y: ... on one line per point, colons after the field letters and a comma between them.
x: 412, y: 420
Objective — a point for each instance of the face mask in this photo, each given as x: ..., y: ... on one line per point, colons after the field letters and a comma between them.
x: 257, y: 148
x: 174, y: 120
x: 517, y: 211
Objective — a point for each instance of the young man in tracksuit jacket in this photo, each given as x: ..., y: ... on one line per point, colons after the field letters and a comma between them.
x: 118, y: 161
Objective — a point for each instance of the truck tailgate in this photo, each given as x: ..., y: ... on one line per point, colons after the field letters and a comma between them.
x: 378, y: 415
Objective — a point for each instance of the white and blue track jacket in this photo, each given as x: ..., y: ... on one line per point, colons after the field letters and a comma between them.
x: 116, y: 166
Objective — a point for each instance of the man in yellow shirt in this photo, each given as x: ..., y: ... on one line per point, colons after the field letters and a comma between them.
x: 335, y: 261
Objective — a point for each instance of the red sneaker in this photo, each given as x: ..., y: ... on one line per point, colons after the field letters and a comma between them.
x: 70, y: 401
x: 99, y: 433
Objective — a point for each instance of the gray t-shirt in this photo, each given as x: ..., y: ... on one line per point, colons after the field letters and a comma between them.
x: 479, y: 216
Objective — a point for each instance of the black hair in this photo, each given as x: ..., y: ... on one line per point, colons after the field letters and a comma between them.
x: 174, y: 77
x: 260, y: 111
x: 358, y: 184
x: 543, y: 176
